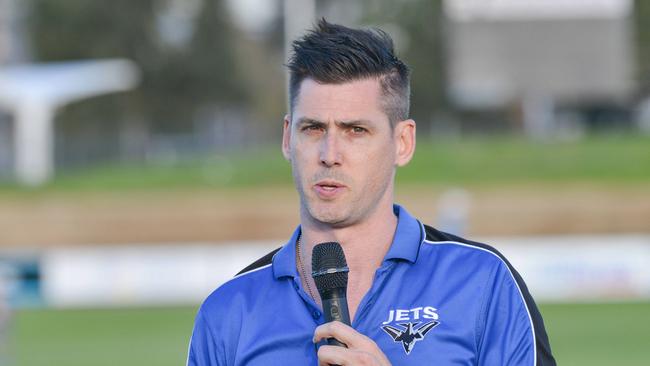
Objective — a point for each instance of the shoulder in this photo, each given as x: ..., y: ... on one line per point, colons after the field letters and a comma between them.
x: 219, y: 320
x: 246, y: 284
x: 462, y: 248
x: 475, y: 256
x: 464, y: 262
x: 262, y: 262
x: 490, y: 259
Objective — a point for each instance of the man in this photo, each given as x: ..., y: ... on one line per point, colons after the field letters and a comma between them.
x: 416, y: 296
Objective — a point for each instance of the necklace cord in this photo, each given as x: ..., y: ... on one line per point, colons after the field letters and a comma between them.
x: 303, y: 273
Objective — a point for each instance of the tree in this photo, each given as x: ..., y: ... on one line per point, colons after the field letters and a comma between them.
x: 178, y: 79
x: 422, y: 25
x: 642, y: 28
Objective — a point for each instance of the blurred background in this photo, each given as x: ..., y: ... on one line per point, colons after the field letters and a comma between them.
x: 140, y: 162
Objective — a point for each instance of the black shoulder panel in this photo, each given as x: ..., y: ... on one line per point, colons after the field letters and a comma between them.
x: 267, y: 259
x: 544, y: 355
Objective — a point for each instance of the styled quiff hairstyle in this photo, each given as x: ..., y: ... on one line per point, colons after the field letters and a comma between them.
x: 334, y: 54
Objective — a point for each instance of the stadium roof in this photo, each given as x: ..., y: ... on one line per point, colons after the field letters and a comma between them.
x: 468, y: 10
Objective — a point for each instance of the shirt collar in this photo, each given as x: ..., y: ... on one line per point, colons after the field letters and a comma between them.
x: 406, y: 245
x: 408, y: 237
x: 284, y: 261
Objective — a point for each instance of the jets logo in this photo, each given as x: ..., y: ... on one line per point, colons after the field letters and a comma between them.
x: 409, y: 334
x: 410, y: 325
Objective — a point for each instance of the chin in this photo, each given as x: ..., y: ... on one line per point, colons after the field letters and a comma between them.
x: 330, y: 216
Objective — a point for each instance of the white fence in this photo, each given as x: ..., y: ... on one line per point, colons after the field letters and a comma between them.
x: 566, y: 268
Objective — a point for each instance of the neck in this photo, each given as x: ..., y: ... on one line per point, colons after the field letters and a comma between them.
x: 365, y: 244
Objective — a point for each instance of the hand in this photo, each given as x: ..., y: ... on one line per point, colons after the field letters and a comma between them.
x: 361, y: 349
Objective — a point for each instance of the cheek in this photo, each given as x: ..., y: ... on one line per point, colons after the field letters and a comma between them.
x: 382, y: 155
x: 378, y: 165
x: 300, y: 162
x: 303, y: 147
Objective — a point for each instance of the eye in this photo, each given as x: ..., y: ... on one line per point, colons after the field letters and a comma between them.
x: 357, y: 130
x: 312, y: 128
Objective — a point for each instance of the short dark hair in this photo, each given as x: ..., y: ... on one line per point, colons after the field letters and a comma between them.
x: 334, y: 54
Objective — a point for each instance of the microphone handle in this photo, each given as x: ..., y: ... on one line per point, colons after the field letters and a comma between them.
x: 335, y: 307
x: 335, y: 342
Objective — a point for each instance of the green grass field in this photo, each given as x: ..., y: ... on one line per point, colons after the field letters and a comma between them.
x: 609, y: 159
x: 581, y: 334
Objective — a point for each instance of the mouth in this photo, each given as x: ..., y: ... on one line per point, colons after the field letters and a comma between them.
x: 329, y: 184
x: 328, y: 189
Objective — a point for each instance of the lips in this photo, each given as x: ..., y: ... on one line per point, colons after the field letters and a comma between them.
x: 328, y: 189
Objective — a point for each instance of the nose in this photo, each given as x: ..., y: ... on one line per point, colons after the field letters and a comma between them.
x: 330, y: 152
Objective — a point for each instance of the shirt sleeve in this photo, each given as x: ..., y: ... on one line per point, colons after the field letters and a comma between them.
x: 506, y: 329
x: 204, y: 349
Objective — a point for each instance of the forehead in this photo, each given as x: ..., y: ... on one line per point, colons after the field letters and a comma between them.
x: 354, y: 100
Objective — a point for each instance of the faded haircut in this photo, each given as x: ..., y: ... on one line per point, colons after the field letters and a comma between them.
x: 334, y: 54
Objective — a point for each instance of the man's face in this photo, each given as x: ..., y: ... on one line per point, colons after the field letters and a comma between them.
x: 343, y: 151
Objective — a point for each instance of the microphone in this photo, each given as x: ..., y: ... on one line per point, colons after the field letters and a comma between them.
x: 330, y: 272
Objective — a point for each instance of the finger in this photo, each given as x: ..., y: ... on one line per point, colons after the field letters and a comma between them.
x: 344, y: 333
x: 332, y: 355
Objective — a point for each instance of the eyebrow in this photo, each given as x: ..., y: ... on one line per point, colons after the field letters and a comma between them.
x: 311, y: 121
x: 308, y: 121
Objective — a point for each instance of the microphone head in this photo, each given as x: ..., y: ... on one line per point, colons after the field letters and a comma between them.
x: 329, y: 268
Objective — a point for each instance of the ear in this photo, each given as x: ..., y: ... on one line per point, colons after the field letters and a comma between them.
x: 404, y: 135
x: 286, y: 138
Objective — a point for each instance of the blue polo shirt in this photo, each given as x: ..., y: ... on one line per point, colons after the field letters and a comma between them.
x: 436, y: 299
